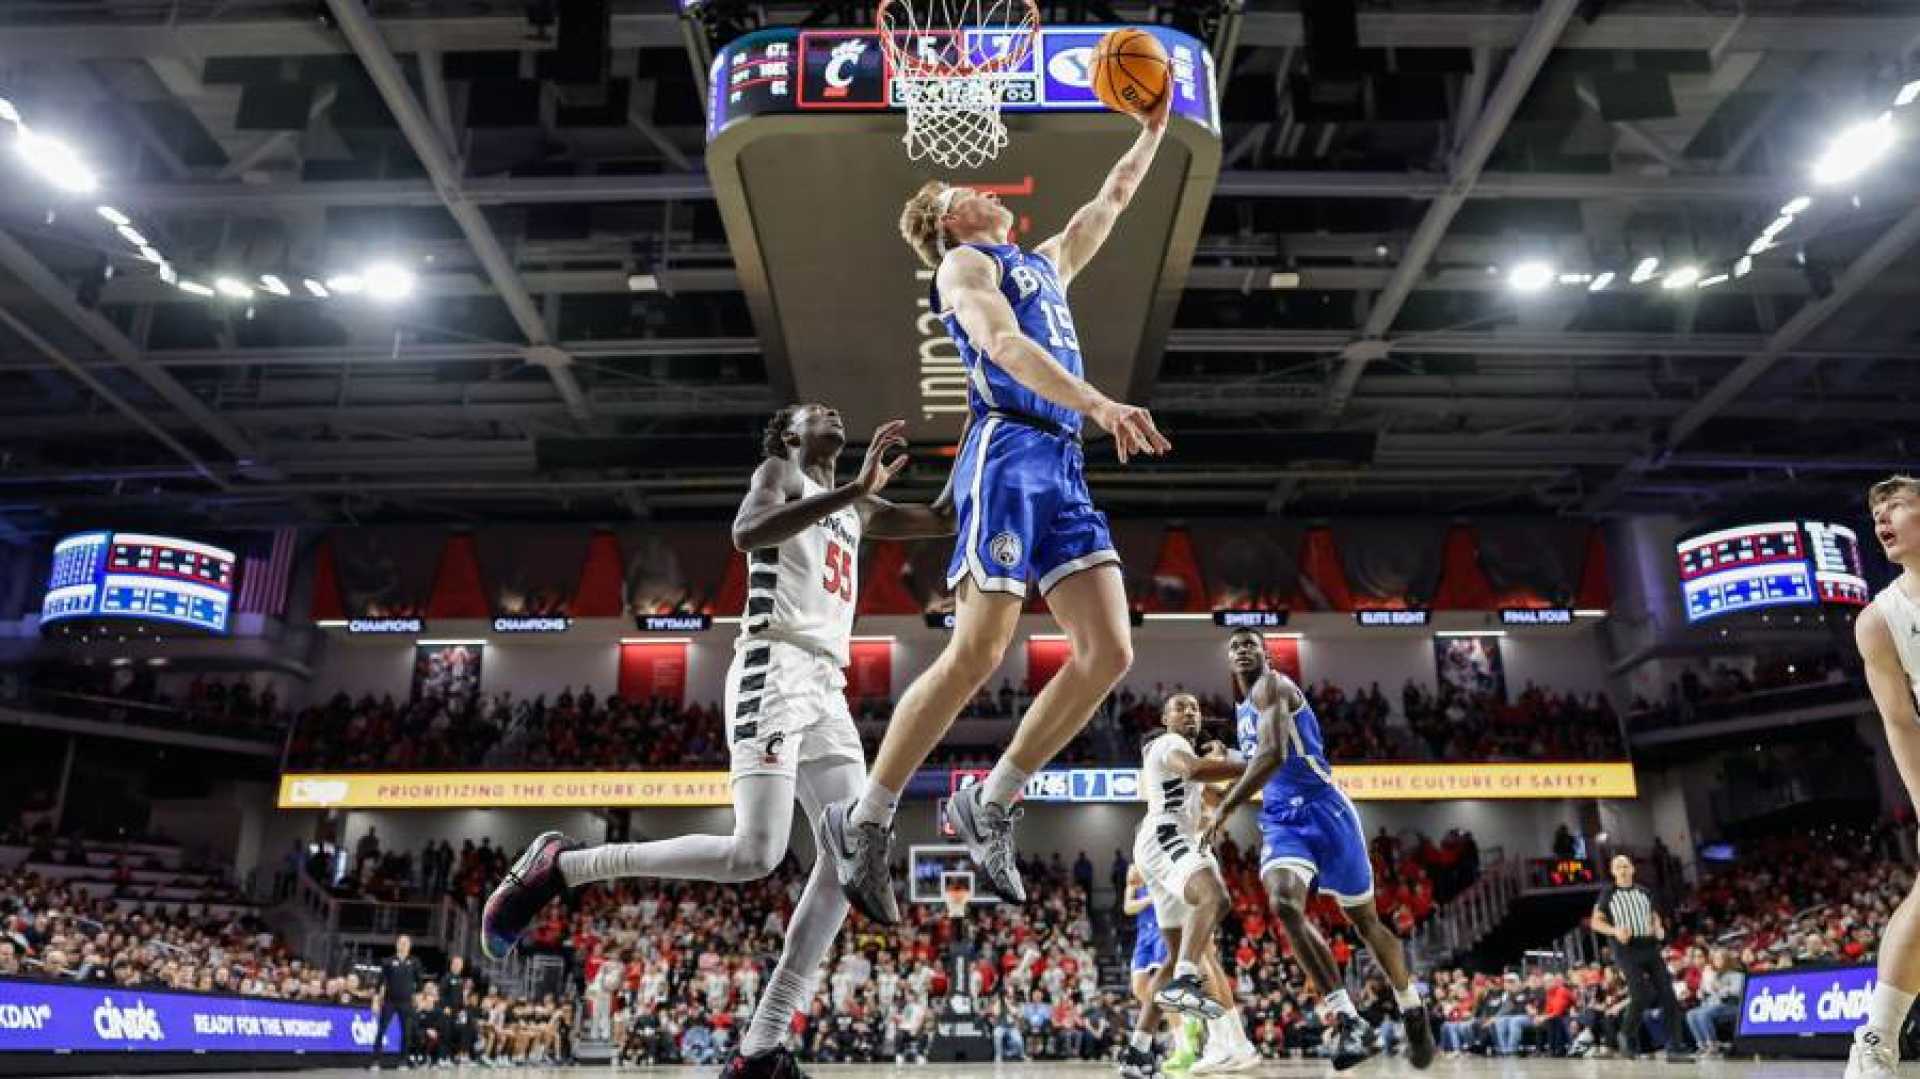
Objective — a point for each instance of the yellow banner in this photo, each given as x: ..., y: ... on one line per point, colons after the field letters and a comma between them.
x: 503, y: 790
x: 1416, y: 782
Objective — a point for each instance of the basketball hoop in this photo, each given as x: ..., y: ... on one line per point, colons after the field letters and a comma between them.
x: 956, y: 890
x: 949, y: 64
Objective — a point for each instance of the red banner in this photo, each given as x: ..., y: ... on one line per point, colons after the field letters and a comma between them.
x: 1045, y: 657
x: 869, y: 671
x: 654, y: 669
x: 1283, y: 655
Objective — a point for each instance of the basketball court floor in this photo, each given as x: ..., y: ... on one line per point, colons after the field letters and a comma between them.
x: 1280, y: 1069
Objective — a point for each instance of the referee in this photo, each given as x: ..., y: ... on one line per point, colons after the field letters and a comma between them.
x: 1625, y: 913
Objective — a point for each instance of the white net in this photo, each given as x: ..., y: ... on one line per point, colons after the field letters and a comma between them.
x: 952, y: 64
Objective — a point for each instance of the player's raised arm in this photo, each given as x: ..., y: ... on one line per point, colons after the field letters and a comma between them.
x: 1076, y: 245
x: 892, y: 520
x: 1277, y: 700
x: 769, y: 515
x: 969, y: 283
x: 1187, y: 764
x: 1887, y: 682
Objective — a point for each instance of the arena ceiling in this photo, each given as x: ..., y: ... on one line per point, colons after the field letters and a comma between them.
x: 578, y: 346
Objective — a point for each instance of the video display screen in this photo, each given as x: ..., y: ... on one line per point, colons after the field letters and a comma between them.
x: 139, y: 576
x: 1770, y: 564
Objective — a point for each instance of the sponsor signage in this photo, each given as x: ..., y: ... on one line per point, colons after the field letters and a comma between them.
x: 1064, y: 784
x: 1418, y: 617
x: 673, y: 623
x: 1796, y: 1003
x: 532, y: 624
x: 1362, y: 782
x: 1536, y: 616
x: 1247, y: 619
x: 503, y: 790
x: 40, y: 1017
x: 415, y: 626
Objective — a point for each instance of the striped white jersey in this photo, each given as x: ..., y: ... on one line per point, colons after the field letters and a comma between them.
x: 804, y: 591
x: 1903, y: 622
x: 1168, y: 793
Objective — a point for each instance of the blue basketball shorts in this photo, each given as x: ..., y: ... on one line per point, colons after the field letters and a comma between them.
x: 1319, y: 837
x: 1149, y: 949
x: 1022, y: 510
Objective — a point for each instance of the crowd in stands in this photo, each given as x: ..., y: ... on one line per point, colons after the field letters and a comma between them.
x: 132, y: 693
x: 1728, y: 692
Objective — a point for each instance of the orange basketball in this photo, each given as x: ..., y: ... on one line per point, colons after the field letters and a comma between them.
x: 1130, y: 71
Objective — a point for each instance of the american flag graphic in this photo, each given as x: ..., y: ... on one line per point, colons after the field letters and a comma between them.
x: 265, y: 566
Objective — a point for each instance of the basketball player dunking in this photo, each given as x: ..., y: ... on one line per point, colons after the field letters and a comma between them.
x: 1024, y: 513
x: 1311, y: 838
x: 1888, y: 633
x: 787, y: 719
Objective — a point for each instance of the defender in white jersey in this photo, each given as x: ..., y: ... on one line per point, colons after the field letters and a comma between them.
x: 1888, y: 633
x: 1184, y: 881
x: 787, y: 720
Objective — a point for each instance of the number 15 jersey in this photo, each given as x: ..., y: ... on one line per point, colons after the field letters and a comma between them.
x: 804, y: 591
x: 1032, y: 288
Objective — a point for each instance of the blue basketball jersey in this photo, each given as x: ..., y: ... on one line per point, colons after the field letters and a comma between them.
x: 1300, y: 775
x: 1147, y: 922
x: 1032, y: 288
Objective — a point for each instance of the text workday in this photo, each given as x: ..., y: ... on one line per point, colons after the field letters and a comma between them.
x: 137, y: 1023
x: 25, y: 1016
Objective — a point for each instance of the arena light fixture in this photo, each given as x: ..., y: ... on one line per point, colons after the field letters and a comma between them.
x: 315, y: 289
x: 1797, y: 206
x: 168, y: 274
x: 643, y: 282
x: 1716, y: 279
x: 112, y: 216
x: 1681, y: 278
x: 1759, y: 246
x: 1644, y: 272
x: 1908, y: 95
x: 1530, y: 276
x: 727, y: 620
x: 232, y: 288
x: 1470, y: 633
x: 1283, y: 279
x: 1854, y: 150
x: 1601, y: 282
x: 1743, y: 266
x: 9, y: 113
x: 131, y: 235
x: 887, y: 638
x: 55, y: 161
x: 651, y: 640
x: 1046, y: 636
x: 1589, y: 612
x: 347, y: 284
x: 274, y: 285
x: 196, y: 288
x: 1176, y: 616
x: 450, y: 640
x: 1575, y: 278
x: 388, y: 282
x: 150, y: 255
x: 332, y: 623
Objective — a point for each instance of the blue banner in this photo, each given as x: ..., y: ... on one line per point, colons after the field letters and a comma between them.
x: 1791, y: 1003
x: 41, y: 1017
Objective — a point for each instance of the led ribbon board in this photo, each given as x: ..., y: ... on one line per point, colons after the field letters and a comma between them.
x: 1771, y: 564
x: 142, y: 577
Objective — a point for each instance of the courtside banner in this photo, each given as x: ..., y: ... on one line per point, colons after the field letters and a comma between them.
x: 1796, y: 1003
x: 1417, y: 782
x: 503, y: 790
x: 45, y: 1017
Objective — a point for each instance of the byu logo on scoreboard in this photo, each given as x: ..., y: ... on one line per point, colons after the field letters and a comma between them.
x: 1074, y: 67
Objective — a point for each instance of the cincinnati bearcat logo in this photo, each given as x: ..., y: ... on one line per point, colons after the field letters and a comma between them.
x: 771, y: 755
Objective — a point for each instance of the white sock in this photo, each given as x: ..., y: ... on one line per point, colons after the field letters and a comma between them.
x: 1184, y: 968
x: 1340, y: 1004
x: 877, y: 805
x: 1236, y: 1029
x: 1142, y: 1040
x: 1407, y: 998
x: 1887, y: 1012
x: 1004, y: 783
x: 787, y: 992
x: 691, y: 857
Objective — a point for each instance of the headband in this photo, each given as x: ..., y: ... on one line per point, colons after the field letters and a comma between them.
x: 944, y: 206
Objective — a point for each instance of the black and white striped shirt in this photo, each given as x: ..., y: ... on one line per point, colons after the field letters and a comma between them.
x: 1630, y: 908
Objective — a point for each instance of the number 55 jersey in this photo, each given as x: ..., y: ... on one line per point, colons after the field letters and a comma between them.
x: 785, y: 700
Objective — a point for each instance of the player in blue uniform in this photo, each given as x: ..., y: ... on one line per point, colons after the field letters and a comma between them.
x: 1023, y: 512
x: 1311, y: 837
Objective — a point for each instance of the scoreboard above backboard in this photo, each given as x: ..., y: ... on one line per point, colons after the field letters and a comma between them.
x: 792, y: 70
x: 1771, y: 564
x: 142, y: 577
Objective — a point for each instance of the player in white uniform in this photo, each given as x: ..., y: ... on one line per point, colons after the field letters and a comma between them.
x: 1184, y: 882
x: 787, y: 719
x: 1888, y: 633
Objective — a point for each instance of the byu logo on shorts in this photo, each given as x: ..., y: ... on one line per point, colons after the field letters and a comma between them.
x: 1005, y: 549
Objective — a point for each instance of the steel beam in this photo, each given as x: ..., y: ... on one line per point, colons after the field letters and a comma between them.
x: 132, y: 37
x: 437, y: 158
x: 1525, y: 63
x: 1620, y: 26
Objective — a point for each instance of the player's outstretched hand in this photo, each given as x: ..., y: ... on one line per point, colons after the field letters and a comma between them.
x: 1156, y: 119
x: 877, y: 470
x: 1132, y: 429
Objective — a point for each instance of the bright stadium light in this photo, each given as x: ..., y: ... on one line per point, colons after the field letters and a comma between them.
x: 1600, y: 283
x: 55, y: 161
x: 1797, y: 206
x: 317, y: 290
x: 131, y: 235
x: 1644, y: 272
x: 347, y: 284
x: 1854, y: 150
x: 388, y: 282
x: 232, y: 288
x: 274, y: 285
x: 12, y: 115
x: 1908, y: 95
x: 112, y: 216
x: 1759, y: 246
x: 194, y: 287
x: 152, y: 256
x: 1716, y: 279
x: 1531, y: 276
x: 1743, y: 266
x: 1681, y: 278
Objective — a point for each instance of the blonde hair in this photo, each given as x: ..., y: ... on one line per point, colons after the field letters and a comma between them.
x: 1887, y: 488
x: 920, y: 223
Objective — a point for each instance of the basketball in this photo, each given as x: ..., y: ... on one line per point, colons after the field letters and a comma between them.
x: 1130, y: 71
